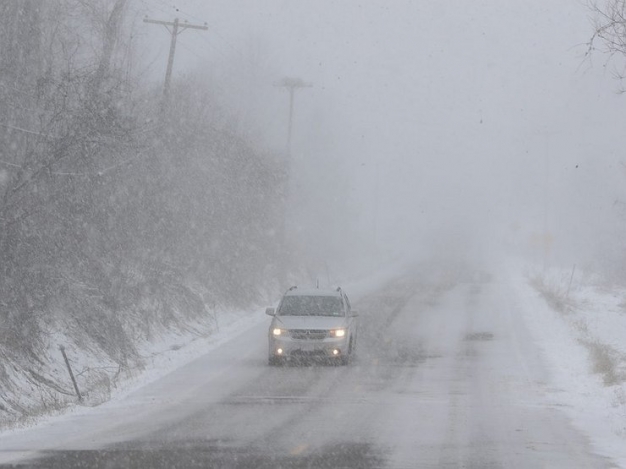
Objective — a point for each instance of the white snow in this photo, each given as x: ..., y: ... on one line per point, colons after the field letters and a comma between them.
x: 173, y: 351
x: 596, y: 317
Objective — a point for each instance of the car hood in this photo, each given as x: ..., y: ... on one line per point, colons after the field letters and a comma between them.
x: 310, y: 322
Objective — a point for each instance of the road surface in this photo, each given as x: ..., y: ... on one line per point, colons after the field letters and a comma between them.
x: 446, y: 376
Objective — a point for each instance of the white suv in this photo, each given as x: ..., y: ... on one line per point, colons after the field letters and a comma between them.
x: 312, y: 324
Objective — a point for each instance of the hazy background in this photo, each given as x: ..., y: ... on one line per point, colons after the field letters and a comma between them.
x: 454, y: 127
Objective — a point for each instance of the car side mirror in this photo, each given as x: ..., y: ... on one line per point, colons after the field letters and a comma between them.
x: 354, y: 313
x: 270, y: 311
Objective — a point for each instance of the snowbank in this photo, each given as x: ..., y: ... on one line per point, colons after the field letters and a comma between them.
x: 580, y: 325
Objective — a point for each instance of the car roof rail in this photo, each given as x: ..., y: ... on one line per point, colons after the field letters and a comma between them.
x: 293, y: 288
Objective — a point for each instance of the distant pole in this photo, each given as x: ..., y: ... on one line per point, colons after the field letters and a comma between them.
x: 292, y: 91
x: 291, y: 85
x: 177, y: 28
x: 571, y: 279
x: 547, y: 237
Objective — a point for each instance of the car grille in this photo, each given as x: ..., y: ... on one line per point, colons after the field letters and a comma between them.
x: 308, y: 354
x: 308, y: 334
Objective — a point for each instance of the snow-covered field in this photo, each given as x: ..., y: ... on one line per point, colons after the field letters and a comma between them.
x: 581, y: 329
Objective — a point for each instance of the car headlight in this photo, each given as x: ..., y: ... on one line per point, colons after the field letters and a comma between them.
x: 278, y: 332
x: 337, y: 333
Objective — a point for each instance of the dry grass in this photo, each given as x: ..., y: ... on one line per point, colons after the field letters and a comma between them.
x: 607, y: 362
x: 555, y: 296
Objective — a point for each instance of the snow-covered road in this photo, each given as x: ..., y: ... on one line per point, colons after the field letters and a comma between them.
x: 447, y: 376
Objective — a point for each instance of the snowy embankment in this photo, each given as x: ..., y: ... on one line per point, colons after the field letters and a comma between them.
x: 44, y: 393
x: 36, y: 387
x: 579, y: 323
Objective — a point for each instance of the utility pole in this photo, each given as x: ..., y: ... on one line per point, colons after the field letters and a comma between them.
x: 177, y: 28
x: 291, y: 85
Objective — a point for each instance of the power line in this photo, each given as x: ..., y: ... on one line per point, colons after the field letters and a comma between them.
x: 223, y: 39
x: 103, y: 171
x: 26, y: 131
x: 10, y: 164
x: 191, y: 16
x: 194, y: 53
x: 150, y: 6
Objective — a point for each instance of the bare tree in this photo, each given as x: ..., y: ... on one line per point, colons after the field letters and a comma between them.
x: 609, y: 35
x: 111, y: 218
x: 60, y: 116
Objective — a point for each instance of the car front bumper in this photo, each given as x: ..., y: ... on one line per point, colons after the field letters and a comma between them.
x: 291, y: 348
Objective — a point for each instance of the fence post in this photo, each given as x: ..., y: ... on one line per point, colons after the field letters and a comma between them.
x: 570, y: 281
x: 69, y: 368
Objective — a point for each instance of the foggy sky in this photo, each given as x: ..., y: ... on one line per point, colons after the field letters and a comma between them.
x: 454, y: 126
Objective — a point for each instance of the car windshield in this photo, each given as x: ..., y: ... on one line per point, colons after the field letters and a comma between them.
x: 311, y: 306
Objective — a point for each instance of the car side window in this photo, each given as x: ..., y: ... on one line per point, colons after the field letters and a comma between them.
x: 347, y: 302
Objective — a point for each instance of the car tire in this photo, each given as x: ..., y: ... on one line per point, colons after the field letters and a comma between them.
x: 345, y: 359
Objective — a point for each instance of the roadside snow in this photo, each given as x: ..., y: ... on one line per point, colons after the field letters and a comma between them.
x: 173, y: 351
x: 166, y: 355
x: 581, y: 333
x: 581, y: 339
